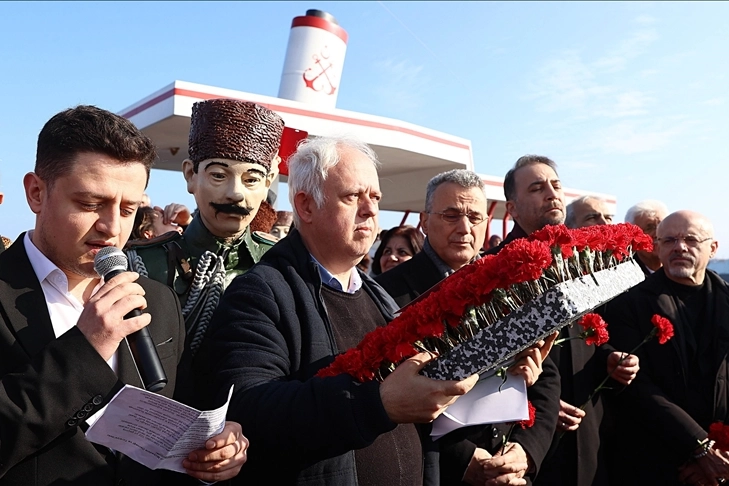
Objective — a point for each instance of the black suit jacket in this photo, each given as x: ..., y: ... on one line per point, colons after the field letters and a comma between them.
x: 653, y: 410
x: 515, y: 233
x: 410, y: 279
x: 49, y: 386
x: 577, y: 457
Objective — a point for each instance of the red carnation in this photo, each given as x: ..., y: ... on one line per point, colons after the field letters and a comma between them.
x: 719, y: 433
x: 641, y: 241
x: 594, y: 237
x: 525, y: 424
x: 430, y: 328
x: 664, y: 328
x: 595, y: 329
x: 371, y: 348
x: 522, y: 260
x: 553, y: 235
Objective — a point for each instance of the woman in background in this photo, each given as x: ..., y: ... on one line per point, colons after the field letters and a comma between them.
x: 397, y: 245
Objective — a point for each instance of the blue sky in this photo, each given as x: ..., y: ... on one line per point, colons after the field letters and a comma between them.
x: 629, y: 98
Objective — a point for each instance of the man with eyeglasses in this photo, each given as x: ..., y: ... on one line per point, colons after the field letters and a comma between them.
x: 683, y: 387
x: 455, y: 224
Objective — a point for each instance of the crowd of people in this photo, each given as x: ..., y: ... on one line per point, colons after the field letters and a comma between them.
x: 237, y: 294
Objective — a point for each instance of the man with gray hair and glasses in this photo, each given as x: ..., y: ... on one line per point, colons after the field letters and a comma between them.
x: 683, y: 386
x: 455, y: 223
x: 289, y: 315
x: 647, y: 215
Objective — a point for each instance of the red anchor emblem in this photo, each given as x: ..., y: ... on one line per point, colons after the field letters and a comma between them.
x: 320, y: 60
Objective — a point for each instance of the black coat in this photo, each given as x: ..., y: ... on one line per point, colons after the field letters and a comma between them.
x: 515, y: 233
x: 576, y: 457
x: 412, y: 278
x: 269, y: 336
x: 656, y: 431
x: 49, y: 385
x: 643, y: 266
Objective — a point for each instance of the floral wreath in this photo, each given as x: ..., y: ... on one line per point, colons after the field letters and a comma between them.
x: 481, y: 293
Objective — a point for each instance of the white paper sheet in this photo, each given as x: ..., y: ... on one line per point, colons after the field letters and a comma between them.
x: 154, y: 430
x: 485, y: 404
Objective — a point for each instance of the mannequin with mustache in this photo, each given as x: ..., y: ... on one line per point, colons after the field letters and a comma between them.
x: 233, y: 159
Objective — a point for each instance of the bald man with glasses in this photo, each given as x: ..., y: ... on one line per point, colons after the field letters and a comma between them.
x: 683, y: 386
x: 455, y: 225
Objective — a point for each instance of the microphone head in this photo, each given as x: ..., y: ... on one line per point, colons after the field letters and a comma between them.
x: 109, y: 259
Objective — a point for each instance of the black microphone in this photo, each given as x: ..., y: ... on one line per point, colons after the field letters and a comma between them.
x: 109, y: 262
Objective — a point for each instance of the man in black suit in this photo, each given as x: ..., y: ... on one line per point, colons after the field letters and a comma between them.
x: 455, y: 224
x: 535, y: 199
x: 63, y: 353
x: 682, y: 387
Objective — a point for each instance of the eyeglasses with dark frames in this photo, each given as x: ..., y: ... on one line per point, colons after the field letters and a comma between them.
x: 452, y: 217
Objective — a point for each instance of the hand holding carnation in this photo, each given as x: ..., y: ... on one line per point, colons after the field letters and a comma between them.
x: 663, y: 329
x: 623, y: 367
x: 570, y: 417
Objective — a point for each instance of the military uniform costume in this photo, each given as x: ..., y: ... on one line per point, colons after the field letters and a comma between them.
x: 197, y: 265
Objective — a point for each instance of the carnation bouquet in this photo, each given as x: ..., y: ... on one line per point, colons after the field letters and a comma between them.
x: 484, y: 314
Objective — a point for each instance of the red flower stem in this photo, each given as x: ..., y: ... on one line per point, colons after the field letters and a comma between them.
x: 506, y: 438
x: 622, y: 358
x: 599, y: 388
x: 561, y: 341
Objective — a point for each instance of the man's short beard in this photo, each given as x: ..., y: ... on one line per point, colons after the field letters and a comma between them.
x: 552, y: 221
x: 680, y: 272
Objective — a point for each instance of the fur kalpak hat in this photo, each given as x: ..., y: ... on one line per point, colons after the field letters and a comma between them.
x: 236, y: 130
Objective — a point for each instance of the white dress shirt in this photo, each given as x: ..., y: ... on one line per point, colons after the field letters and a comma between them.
x: 63, y: 307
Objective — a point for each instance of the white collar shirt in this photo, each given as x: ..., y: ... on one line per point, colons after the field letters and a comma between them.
x: 328, y: 279
x: 63, y: 307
